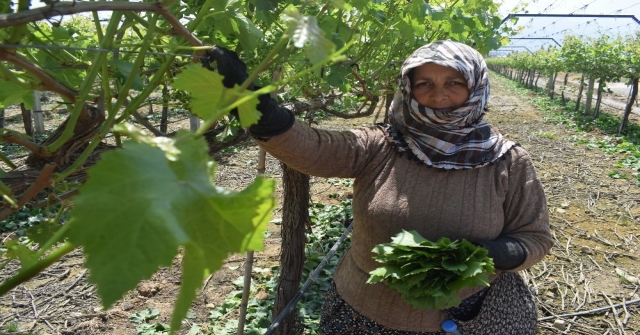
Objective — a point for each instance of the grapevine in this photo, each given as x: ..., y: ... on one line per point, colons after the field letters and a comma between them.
x: 605, y: 59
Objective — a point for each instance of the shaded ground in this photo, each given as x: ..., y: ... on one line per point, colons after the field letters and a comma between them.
x: 594, y: 219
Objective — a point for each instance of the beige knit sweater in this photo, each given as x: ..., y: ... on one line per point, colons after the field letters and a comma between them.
x: 392, y: 192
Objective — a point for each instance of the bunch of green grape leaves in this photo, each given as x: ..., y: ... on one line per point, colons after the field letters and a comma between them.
x: 428, y: 274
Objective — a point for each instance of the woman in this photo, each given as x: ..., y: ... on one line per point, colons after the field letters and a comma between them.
x: 436, y: 168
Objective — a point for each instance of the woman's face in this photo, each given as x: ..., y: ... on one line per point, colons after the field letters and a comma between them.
x: 438, y: 87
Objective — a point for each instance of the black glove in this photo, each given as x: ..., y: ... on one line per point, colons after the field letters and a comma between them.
x: 506, y: 252
x: 275, y: 120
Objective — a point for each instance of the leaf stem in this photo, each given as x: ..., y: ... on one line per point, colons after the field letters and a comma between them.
x: 7, y: 161
x: 32, y: 271
x: 150, y: 87
x: 145, y: 45
x: 113, y: 111
x: 56, y: 237
x: 87, y: 84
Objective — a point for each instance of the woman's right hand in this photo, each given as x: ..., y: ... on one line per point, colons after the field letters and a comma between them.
x: 275, y: 119
x: 228, y: 64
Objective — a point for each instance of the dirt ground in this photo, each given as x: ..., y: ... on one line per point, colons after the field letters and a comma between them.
x: 614, y: 96
x: 587, y: 284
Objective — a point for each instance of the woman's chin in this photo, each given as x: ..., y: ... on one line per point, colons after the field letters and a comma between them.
x: 443, y: 110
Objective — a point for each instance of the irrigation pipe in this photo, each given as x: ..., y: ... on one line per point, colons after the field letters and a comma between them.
x: 312, y: 278
x: 592, y: 311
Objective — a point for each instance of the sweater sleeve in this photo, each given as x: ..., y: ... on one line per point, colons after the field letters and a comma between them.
x: 526, y: 213
x: 325, y: 153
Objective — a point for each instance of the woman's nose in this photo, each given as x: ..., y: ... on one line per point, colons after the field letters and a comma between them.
x: 438, y: 93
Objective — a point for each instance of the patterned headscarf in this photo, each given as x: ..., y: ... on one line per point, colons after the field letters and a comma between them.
x: 455, y: 139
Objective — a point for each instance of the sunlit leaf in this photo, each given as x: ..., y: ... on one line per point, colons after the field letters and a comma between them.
x: 12, y: 94
x: 249, y: 34
x: 138, y: 207
x: 306, y: 32
x: 208, y: 95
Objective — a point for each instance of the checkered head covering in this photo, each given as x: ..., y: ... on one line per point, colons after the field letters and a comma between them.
x: 457, y: 139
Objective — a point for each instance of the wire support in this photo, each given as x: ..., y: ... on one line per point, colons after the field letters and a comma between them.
x: 69, y: 48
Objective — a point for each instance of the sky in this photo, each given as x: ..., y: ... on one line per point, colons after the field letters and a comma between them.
x: 557, y: 28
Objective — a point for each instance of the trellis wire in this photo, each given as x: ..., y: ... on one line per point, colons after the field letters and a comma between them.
x: 58, y: 47
x: 312, y: 278
x: 106, y: 136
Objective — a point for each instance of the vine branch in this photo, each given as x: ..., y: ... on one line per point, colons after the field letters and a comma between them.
x: 43, y: 180
x: 363, y: 83
x: 49, y: 83
x: 68, y: 7
x: 370, y: 110
x: 9, y: 137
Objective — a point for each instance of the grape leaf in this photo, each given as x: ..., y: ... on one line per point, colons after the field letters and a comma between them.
x: 306, y: 31
x: 249, y: 33
x: 15, y: 250
x: 437, y: 14
x: 457, y: 28
x: 141, y: 203
x: 124, y: 71
x: 42, y: 232
x: 12, y: 94
x: 208, y: 95
x: 428, y: 274
x: 266, y: 5
x: 410, y: 239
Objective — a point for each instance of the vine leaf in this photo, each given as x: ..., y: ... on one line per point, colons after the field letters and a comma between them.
x: 233, y: 24
x: 144, y: 201
x: 306, y: 31
x: 208, y: 94
x: 12, y: 94
x: 42, y: 232
x: 124, y: 70
x: 249, y: 33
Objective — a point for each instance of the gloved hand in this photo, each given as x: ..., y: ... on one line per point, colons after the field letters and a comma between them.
x: 275, y: 120
x: 507, y: 253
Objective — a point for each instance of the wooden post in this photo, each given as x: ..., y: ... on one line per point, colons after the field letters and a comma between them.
x: 37, y: 113
x: 248, y: 269
x: 248, y: 264
x: 627, y: 109
x: 581, y: 87
x: 165, y: 108
x: 295, y: 219
x: 596, y: 112
x: 194, y: 123
x: 587, y: 104
x: 26, y: 120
